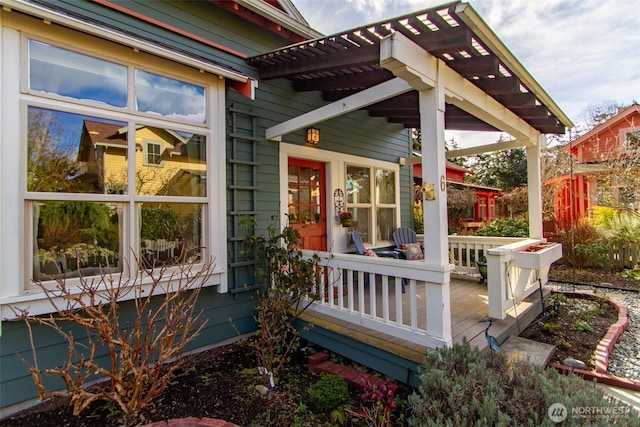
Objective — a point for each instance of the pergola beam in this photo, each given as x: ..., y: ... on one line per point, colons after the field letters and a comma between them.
x: 356, y: 101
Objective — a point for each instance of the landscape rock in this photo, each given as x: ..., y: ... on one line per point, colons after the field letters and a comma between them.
x: 574, y: 363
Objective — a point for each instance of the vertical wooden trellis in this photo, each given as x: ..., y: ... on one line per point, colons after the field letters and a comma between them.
x: 243, y: 185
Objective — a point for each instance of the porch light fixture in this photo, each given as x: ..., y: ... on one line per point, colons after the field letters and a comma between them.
x: 313, y: 136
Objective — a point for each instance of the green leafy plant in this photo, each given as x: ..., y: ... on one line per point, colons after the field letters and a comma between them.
x: 581, y: 325
x: 329, y: 393
x: 509, y: 227
x: 289, y: 284
x: 550, y: 327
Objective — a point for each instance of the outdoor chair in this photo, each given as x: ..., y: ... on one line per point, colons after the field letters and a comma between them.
x: 406, y: 241
x: 357, y: 241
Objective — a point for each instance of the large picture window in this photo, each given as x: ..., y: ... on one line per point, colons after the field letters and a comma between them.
x: 105, y: 157
x: 375, y: 217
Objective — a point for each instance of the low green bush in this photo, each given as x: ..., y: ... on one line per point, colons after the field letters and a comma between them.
x: 462, y: 386
x: 509, y: 227
x: 328, y: 393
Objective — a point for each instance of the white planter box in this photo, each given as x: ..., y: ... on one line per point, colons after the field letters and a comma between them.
x: 539, y: 259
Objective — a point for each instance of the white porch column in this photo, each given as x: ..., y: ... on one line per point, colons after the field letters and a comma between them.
x: 432, y: 107
x: 534, y: 184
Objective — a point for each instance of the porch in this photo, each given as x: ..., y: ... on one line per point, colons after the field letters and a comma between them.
x: 363, y: 311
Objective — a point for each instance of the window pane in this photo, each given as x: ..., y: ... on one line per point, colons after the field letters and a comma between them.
x: 361, y: 222
x: 169, y: 98
x: 170, y: 233
x: 67, y: 73
x: 358, y: 185
x: 170, y: 163
x: 76, y: 238
x: 70, y: 153
x: 385, y: 186
x: 386, y: 220
x: 632, y: 140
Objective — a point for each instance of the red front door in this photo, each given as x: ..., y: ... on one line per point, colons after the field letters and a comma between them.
x: 306, y: 203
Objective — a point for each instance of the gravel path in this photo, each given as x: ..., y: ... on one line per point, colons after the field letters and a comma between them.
x: 624, y: 361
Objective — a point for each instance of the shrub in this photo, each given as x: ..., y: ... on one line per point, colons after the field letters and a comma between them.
x: 510, y: 227
x: 164, y: 322
x: 328, y: 393
x: 290, y: 284
x: 462, y: 386
x: 583, y: 244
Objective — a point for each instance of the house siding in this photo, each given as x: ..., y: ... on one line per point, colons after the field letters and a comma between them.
x: 231, y: 314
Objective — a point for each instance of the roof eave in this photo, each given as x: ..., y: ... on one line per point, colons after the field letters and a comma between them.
x: 297, y: 25
x: 473, y: 20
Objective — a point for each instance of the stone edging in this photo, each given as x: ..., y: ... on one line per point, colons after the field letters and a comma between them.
x: 603, y: 350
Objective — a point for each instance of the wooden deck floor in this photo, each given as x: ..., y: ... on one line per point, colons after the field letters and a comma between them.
x: 469, y: 305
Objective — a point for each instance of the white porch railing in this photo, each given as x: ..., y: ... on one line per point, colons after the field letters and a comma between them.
x: 509, y: 280
x: 357, y: 289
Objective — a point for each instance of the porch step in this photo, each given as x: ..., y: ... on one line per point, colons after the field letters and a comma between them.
x: 537, y: 353
x: 517, y: 320
x: 320, y: 363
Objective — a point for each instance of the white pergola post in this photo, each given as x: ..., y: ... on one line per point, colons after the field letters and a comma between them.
x: 534, y: 188
x: 434, y: 202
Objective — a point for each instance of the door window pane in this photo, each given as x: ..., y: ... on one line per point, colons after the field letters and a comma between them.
x: 170, y: 233
x: 76, y: 238
x: 75, y: 75
x: 358, y: 184
x: 71, y: 153
x: 169, y: 98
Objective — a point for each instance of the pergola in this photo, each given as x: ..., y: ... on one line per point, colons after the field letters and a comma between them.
x: 440, y: 68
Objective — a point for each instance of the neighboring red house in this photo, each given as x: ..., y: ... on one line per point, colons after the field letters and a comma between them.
x: 484, y: 209
x: 597, y: 179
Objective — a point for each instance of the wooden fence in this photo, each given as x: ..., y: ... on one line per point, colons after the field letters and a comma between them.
x: 625, y: 255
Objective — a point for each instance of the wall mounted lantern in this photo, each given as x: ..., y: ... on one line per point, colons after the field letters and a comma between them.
x: 313, y: 136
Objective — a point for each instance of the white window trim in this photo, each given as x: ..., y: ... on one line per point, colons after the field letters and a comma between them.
x: 146, y: 162
x: 335, y: 176
x: 14, y: 290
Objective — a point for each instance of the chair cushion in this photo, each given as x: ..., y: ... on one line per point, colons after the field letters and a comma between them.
x: 412, y: 250
x: 370, y: 252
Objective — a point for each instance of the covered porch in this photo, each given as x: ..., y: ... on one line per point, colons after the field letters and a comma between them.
x: 441, y: 68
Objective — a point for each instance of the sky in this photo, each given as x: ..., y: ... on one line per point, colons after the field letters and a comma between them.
x: 584, y: 53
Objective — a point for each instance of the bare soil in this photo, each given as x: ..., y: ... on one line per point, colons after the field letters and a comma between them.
x: 218, y: 383
x: 574, y: 326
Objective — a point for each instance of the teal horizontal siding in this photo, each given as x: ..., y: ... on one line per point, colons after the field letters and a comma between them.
x: 227, y: 317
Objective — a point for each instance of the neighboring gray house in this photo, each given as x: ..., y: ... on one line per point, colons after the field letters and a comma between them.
x: 249, y: 77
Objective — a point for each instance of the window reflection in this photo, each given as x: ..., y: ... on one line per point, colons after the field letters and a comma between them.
x: 358, y: 184
x: 385, y: 186
x: 73, y: 239
x: 71, y: 153
x: 75, y: 75
x: 170, y: 233
x: 170, y: 163
x: 169, y: 98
